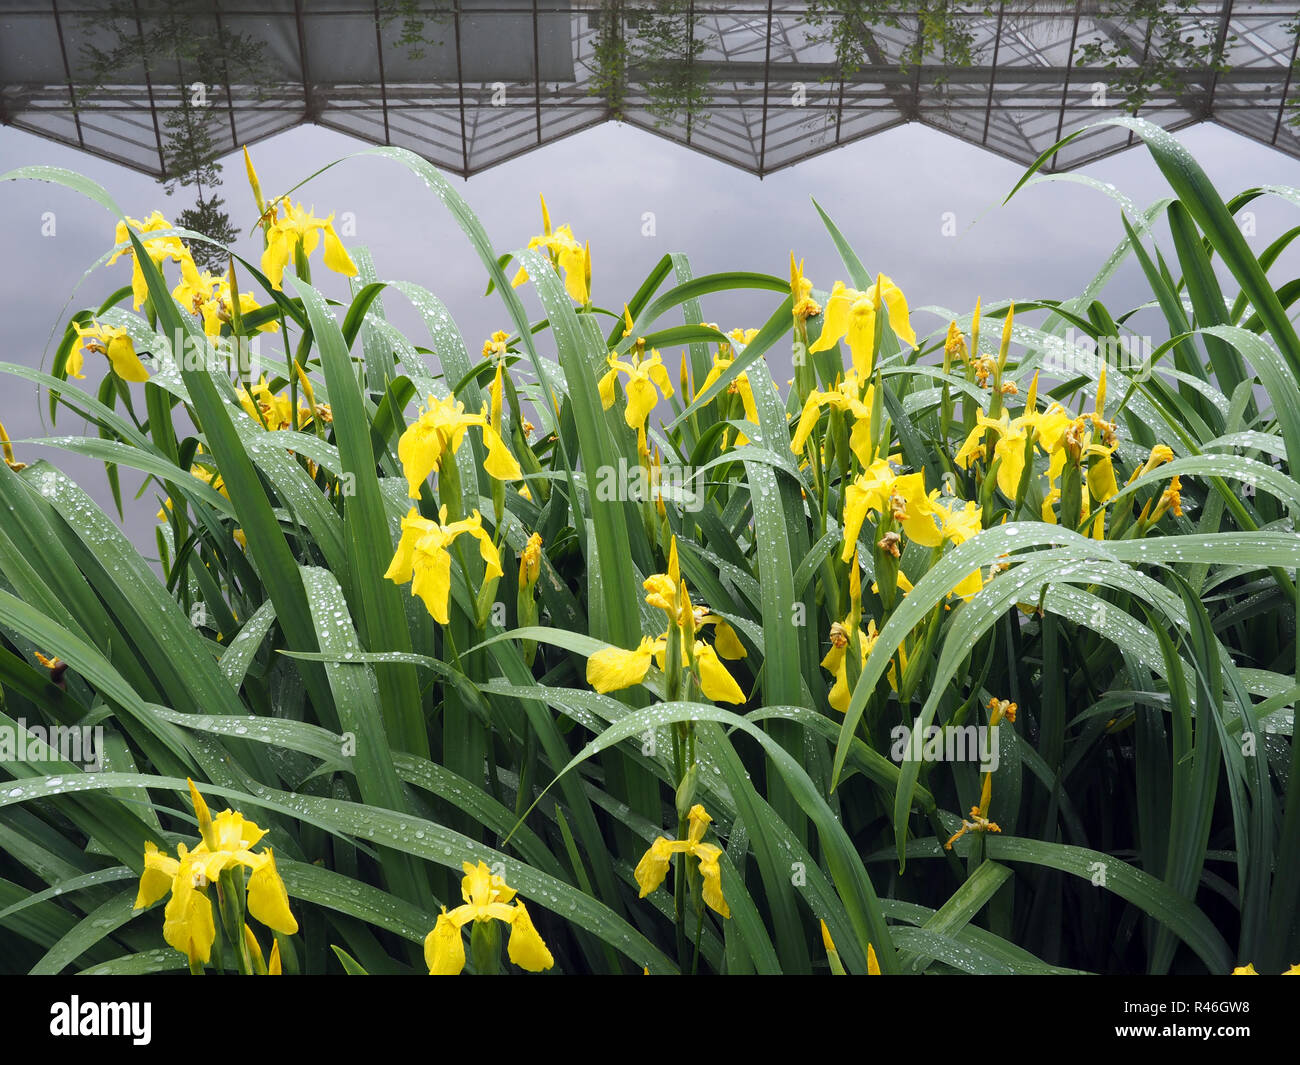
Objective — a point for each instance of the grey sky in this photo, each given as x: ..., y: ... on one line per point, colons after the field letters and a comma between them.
x: 888, y: 194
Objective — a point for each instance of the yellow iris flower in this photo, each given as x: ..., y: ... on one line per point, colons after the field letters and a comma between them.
x: 1046, y: 428
x: 613, y: 668
x: 652, y: 869
x: 487, y: 898
x: 111, y: 341
x: 226, y: 841
x: 299, y: 227
x: 643, y: 373
x: 438, y: 432
x: 848, y: 397
x: 836, y: 660
x: 423, y: 557
x: 958, y: 522
x: 567, y: 255
x: 208, y: 295
x: 159, y: 249
x: 1089, y: 435
x: 740, y: 386
x: 276, y: 412
x: 852, y: 314
x: 878, y: 487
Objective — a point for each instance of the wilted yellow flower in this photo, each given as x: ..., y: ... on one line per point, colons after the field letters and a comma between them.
x: 7, y: 449
x: 836, y: 660
x: 852, y: 314
x: 652, y: 869
x: 423, y: 557
x: 954, y: 345
x: 487, y: 898
x: 1170, y: 499
x: 977, y: 823
x: 55, y: 665
x: 800, y: 291
x: 1160, y: 454
x: 495, y: 345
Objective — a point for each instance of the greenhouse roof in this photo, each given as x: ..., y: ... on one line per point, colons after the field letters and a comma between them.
x: 160, y: 87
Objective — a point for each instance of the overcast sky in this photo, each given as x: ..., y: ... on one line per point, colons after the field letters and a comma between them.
x: 890, y: 194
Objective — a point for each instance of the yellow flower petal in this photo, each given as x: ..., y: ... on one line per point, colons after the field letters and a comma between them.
x: 268, y: 900
x: 711, y: 873
x: 444, y: 947
x: 726, y: 642
x: 835, y: 323
x: 420, y: 451
x: 612, y: 668
x: 156, y: 880
x: 716, y: 683
x: 653, y: 867
x: 896, y: 306
x: 431, y: 581
x: 862, y: 334
x: 336, y: 256
x: 526, y: 948
x: 641, y: 400
x: 187, y: 921
x: 606, y: 388
x: 126, y: 363
x: 1101, y: 480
